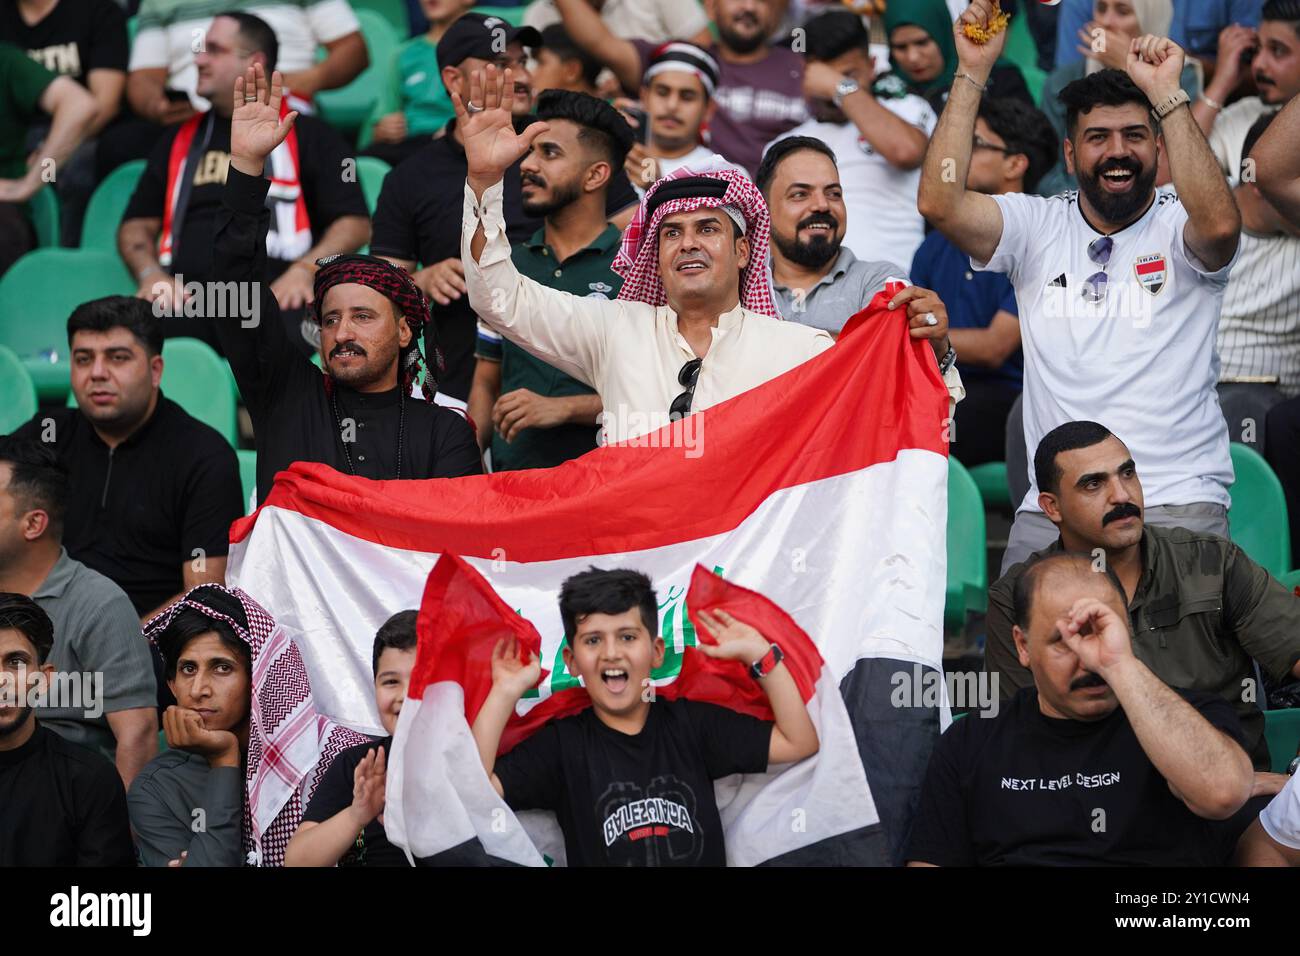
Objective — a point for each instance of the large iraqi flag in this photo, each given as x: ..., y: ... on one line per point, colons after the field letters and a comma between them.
x: 825, y: 489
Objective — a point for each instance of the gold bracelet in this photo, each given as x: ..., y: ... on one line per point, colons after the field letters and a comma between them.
x: 970, y: 79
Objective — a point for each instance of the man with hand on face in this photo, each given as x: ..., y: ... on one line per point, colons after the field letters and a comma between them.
x: 63, y: 803
x: 677, y: 100
x: 531, y: 414
x: 694, y: 324
x: 359, y: 418
x: 344, y: 823
x: 1202, y: 612
x: 598, y: 768
x: 1119, y: 285
x: 1098, y: 763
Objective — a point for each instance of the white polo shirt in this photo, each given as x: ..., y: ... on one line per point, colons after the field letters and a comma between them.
x: 883, y: 224
x: 1281, y: 818
x: 1142, y: 362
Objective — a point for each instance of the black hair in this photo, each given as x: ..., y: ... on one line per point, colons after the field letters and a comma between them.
x: 833, y: 34
x: 1103, y: 88
x: 1024, y: 130
x: 398, y: 632
x: 190, y: 623
x: 597, y: 591
x: 257, y: 33
x: 119, y: 312
x: 1022, y: 595
x: 37, y: 478
x: 1255, y: 132
x: 599, y: 124
x: 783, y: 148
x: 20, y: 613
x: 556, y: 39
x: 1286, y: 10
x: 1060, y: 439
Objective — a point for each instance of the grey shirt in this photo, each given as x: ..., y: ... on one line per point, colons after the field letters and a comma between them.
x: 177, y: 802
x: 98, y: 644
x: 838, y: 295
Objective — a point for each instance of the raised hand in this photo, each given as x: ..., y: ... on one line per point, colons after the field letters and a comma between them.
x: 369, y: 781
x: 737, y: 640
x: 1096, y: 634
x: 514, y: 670
x: 1155, y: 64
x: 184, y: 730
x: 255, y: 125
x: 978, y: 58
x: 491, y: 144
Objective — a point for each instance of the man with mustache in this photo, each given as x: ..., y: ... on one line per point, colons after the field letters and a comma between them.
x: 760, y: 88
x: 1273, y: 60
x: 1119, y: 284
x: 529, y: 413
x: 359, y: 417
x: 1202, y: 611
x: 1098, y: 762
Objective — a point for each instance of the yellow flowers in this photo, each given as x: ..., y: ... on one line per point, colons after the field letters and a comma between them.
x: 982, y: 34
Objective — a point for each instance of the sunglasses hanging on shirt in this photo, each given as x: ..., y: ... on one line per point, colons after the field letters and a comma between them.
x: 687, y: 377
x: 1094, y: 287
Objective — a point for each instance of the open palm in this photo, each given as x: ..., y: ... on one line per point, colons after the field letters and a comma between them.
x: 491, y: 144
x: 255, y: 125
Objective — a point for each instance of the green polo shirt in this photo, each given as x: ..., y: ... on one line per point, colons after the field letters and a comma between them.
x: 587, y: 272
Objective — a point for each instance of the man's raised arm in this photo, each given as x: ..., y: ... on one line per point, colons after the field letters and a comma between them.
x: 1277, y: 162
x: 563, y: 330
x: 970, y: 219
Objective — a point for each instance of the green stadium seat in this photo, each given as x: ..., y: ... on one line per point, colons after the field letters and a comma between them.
x: 107, y: 204
x: 1021, y: 51
x: 36, y: 297
x: 132, y: 26
x: 248, y: 477
x: 1257, y: 519
x: 44, y: 209
x: 1290, y: 580
x: 17, y: 392
x: 991, y: 479
x: 393, y: 11
x: 1282, y: 732
x: 968, y: 574
x: 371, y: 171
x: 200, y: 381
x: 512, y: 15
x: 347, y: 108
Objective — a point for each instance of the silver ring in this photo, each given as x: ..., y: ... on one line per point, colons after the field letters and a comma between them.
x: 930, y: 319
x: 250, y: 98
x: 471, y: 108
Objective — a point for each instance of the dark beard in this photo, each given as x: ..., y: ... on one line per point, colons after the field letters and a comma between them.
x: 1118, y: 208
x: 811, y: 255
x: 561, y: 196
x: 738, y: 42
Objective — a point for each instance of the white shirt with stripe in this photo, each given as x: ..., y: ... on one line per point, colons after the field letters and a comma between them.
x: 1259, y: 331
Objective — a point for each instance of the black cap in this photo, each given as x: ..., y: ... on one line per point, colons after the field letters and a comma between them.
x: 483, y: 37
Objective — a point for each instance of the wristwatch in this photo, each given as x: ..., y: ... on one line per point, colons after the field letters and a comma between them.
x: 767, y: 663
x: 948, y: 360
x: 1291, y: 768
x: 843, y: 88
x: 1170, y: 103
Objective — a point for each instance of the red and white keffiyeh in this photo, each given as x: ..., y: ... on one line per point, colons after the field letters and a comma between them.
x: 638, y: 255
x: 289, y: 745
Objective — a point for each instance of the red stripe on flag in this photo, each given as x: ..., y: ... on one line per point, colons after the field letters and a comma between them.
x: 1149, y: 267
x: 876, y: 392
x: 462, y: 618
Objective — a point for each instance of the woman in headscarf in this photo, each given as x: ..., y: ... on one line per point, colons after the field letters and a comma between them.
x: 1119, y: 21
x: 923, y: 52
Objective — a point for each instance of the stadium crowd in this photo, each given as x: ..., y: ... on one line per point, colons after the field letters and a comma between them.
x: 1093, y: 215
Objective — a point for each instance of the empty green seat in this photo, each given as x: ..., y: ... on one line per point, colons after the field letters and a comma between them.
x: 991, y: 479
x: 371, y: 172
x: 968, y: 575
x: 36, y: 297
x: 44, y: 210
x: 512, y: 15
x: 347, y: 108
x: 1282, y: 731
x: 200, y: 381
x: 1257, y: 519
x: 248, y: 477
x: 107, y: 204
x: 17, y: 392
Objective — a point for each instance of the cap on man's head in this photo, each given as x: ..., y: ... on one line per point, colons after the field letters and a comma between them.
x: 482, y: 37
x: 681, y: 56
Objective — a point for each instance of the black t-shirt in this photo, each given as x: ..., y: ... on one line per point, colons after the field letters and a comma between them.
x: 77, y: 36
x: 418, y: 217
x: 327, y: 194
x: 1023, y: 789
x: 137, y: 512
x: 637, y: 800
x: 334, y: 794
x: 61, y: 805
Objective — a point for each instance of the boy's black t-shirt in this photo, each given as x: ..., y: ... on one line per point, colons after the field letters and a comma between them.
x: 334, y: 794
x: 637, y: 800
x: 1023, y: 789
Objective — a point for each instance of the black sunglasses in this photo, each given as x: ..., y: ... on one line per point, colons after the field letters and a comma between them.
x: 1094, y: 287
x: 687, y: 377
